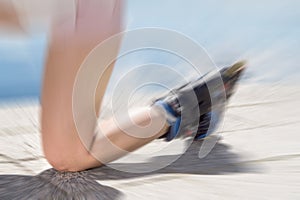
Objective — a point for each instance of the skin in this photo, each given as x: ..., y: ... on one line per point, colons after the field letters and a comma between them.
x: 9, y: 16
x: 71, y: 39
x: 70, y: 43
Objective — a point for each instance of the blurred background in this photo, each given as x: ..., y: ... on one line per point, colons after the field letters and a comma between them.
x: 258, y: 154
x: 266, y: 33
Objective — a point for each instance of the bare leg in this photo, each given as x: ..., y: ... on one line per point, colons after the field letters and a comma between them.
x: 119, y: 138
x: 69, y: 45
x: 8, y: 15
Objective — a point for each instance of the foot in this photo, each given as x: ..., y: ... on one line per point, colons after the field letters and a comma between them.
x: 184, y: 107
x: 194, y: 101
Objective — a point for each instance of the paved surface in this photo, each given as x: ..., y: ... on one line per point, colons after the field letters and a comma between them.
x: 257, y: 157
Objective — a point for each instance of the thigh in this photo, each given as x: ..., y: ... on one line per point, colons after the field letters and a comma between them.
x: 8, y: 14
x: 71, y: 40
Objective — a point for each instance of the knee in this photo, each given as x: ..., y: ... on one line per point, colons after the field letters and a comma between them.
x: 59, y: 165
x: 63, y: 160
x: 72, y: 161
x: 60, y: 162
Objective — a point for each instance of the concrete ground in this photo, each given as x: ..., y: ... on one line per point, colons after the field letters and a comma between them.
x: 256, y: 157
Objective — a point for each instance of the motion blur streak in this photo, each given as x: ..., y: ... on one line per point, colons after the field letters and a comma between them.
x: 258, y: 156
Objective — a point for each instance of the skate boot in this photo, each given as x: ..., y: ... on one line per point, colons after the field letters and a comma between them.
x: 189, y: 108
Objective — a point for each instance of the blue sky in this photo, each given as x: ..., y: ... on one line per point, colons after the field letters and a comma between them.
x: 21, y: 61
x: 265, y: 32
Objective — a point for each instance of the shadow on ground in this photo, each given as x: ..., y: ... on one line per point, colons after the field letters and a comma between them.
x: 219, y: 161
x: 51, y: 184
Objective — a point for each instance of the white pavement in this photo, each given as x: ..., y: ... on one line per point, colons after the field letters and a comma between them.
x: 257, y: 157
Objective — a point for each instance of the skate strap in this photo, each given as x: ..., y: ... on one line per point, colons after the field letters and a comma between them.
x: 170, y: 113
x: 174, y: 130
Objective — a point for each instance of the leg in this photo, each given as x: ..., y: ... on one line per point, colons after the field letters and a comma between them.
x: 116, y: 139
x: 8, y: 14
x: 69, y: 45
